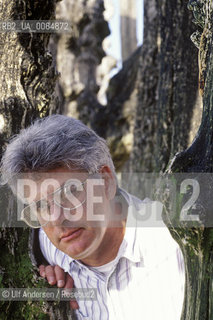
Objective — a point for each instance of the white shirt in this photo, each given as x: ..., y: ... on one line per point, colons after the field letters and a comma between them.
x: 145, y: 281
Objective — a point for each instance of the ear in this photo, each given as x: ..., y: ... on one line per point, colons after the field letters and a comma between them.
x: 110, y: 182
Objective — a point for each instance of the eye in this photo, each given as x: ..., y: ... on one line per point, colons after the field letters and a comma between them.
x: 73, y: 187
x: 70, y: 189
x: 41, y: 206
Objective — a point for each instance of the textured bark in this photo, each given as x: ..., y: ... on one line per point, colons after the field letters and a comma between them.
x: 79, y: 54
x: 196, y: 239
x: 178, y: 80
x: 27, y: 91
x: 145, y: 134
x: 162, y: 128
x: 167, y: 83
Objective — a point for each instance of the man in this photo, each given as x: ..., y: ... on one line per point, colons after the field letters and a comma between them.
x: 89, y: 227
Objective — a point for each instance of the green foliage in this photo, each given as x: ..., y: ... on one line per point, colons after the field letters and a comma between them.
x: 18, y: 272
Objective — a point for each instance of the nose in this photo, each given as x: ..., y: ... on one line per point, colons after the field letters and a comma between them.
x: 64, y: 216
x: 56, y: 214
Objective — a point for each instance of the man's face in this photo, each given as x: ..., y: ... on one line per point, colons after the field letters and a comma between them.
x: 80, y: 231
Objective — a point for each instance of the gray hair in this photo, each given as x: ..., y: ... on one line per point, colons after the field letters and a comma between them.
x: 55, y: 141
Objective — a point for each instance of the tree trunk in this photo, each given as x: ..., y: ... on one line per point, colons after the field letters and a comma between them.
x: 196, y: 241
x: 163, y: 123
x: 167, y: 85
x: 78, y: 56
x: 196, y: 237
x: 27, y: 90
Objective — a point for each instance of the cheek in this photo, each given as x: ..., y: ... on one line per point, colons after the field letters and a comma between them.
x: 88, y: 235
x: 96, y: 207
x: 52, y: 235
x: 87, y: 238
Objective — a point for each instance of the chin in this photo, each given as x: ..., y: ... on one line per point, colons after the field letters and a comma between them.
x: 85, y: 246
x: 78, y: 247
x: 76, y: 252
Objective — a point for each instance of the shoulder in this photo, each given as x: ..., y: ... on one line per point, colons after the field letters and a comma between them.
x: 143, y: 213
x: 152, y: 236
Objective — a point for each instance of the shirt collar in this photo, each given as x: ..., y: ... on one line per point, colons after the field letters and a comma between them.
x: 130, y: 244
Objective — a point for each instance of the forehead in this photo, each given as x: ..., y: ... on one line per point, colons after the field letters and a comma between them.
x: 60, y: 174
x: 33, y: 185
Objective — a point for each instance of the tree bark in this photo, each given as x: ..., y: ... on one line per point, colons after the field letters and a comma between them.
x: 27, y: 90
x: 78, y: 56
x: 196, y: 238
x: 163, y: 122
x: 167, y: 85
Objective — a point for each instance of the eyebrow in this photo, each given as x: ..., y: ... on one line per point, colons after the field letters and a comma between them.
x: 61, y: 187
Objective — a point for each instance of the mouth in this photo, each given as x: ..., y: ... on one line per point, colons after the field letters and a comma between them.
x: 71, y: 235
